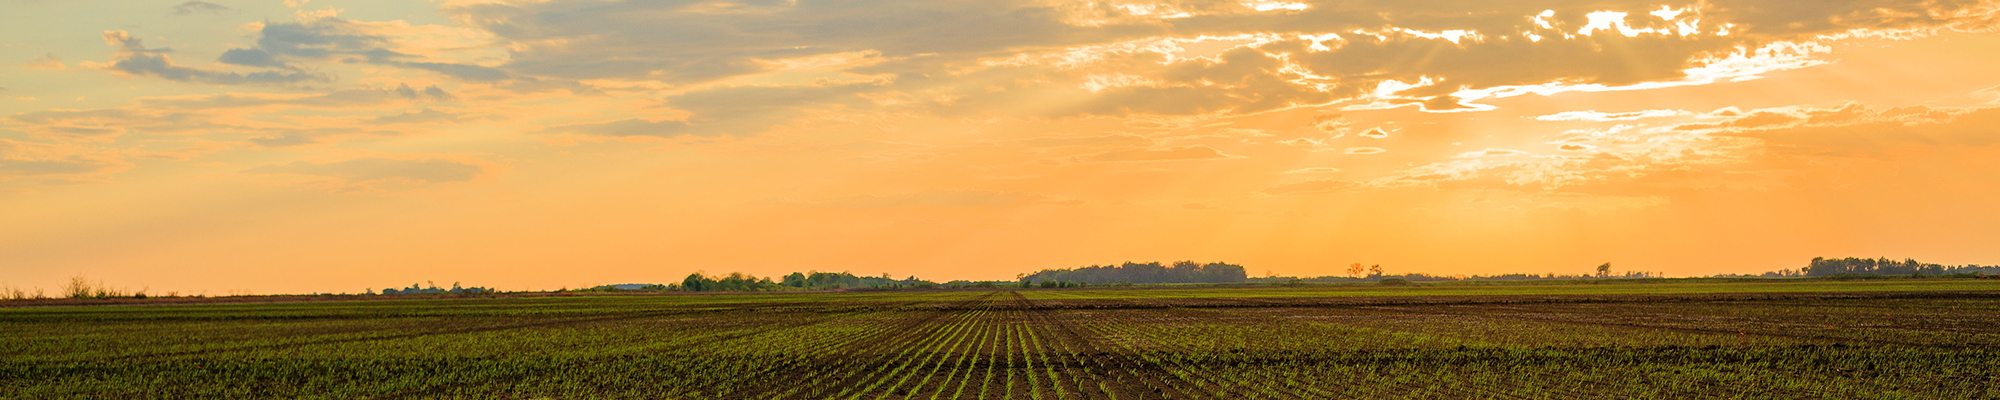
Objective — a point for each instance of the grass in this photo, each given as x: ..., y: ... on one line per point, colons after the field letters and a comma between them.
x: 1907, y: 338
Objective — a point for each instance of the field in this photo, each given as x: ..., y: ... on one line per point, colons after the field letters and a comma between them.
x: 1902, y: 338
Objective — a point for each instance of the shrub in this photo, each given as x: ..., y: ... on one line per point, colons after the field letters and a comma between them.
x: 1395, y: 282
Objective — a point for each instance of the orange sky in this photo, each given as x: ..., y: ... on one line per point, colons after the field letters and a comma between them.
x: 336, y: 146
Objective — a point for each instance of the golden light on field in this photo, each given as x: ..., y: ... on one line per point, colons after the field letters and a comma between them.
x: 334, y: 145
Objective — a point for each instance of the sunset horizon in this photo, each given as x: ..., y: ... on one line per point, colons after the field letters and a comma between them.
x: 337, y: 146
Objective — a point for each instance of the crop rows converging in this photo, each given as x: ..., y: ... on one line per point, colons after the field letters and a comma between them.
x: 1013, y: 345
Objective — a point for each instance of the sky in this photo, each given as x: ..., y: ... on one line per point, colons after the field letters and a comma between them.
x: 293, y: 146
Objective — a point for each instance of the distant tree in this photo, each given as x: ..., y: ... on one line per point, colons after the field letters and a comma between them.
x: 1356, y: 270
x: 1375, y: 270
x: 1604, y: 270
x: 696, y: 283
x: 434, y: 289
x: 1152, y: 272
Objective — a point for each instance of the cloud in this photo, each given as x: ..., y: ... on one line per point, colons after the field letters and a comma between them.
x: 1767, y: 148
x: 1302, y: 142
x: 300, y: 137
x: 431, y: 92
x: 634, y: 127
x: 160, y: 66
x: 928, y: 198
x: 1991, y: 94
x: 1593, y: 115
x: 417, y: 117
x: 1363, y: 150
x: 736, y: 111
x: 339, y: 99
x: 679, y: 43
x: 1375, y: 133
x: 396, y: 44
x: 191, y: 7
x: 742, y: 69
x: 1873, y: 132
x: 1763, y: 119
x: 21, y: 159
x: 1314, y: 170
x: 1332, y: 124
x: 134, y: 58
x: 372, y: 169
x: 1491, y: 153
x: 252, y: 58
x: 60, y: 166
x: 101, y: 124
x: 1180, y: 153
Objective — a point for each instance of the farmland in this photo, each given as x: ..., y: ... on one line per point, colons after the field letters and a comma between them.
x: 1903, y: 338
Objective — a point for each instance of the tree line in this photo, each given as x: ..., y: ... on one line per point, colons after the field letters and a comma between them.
x: 1136, y: 273
x: 1821, y: 266
x: 434, y: 289
x: 813, y: 280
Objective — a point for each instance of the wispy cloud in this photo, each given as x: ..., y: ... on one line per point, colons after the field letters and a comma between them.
x: 193, y: 6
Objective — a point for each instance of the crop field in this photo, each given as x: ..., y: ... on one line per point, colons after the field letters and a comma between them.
x: 1900, y: 339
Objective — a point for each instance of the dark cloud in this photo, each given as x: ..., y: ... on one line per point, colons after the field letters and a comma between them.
x: 251, y: 57
x: 350, y: 98
x: 135, y: 58
x: 378, y: 169
x: 160, y: 66
x: 431, y: 92
x: 191, y: 7
x: 330, y: 38
x: 688, y: 42
x: 85, y: 130
x: 680, y: 42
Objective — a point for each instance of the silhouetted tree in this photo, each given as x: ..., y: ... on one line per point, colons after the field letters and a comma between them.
x: 696, y: 283
x: 1153, y: 272
x: 1604, y: 270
